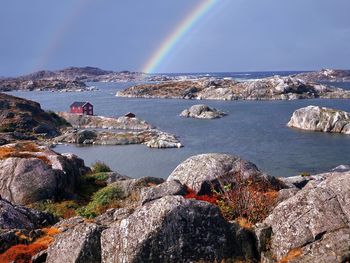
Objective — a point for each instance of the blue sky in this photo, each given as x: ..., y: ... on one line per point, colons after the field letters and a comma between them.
x: 236, y: 35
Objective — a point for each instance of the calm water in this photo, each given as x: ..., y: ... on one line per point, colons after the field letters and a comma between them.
x: 254, y: 130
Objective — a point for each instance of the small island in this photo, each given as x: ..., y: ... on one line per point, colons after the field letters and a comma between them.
x: 321, y: 119
x: 201, y: 111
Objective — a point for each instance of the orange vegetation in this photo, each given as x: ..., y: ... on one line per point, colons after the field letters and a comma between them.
x: 22, y: 150
x: 24, y: 253
x: 207, y: 198
x: 243, y: 222
x: 294, y: 253
x: 249, y: 198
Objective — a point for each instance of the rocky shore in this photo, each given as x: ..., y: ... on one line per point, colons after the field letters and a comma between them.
x: 273, y: 88
x: 202, y: 111
x: 221, y: 208
x: 321, y: 119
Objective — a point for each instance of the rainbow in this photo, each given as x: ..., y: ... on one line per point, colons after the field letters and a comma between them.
x: 176, y: 35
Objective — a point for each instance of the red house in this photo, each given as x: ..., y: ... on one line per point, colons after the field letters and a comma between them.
x: 82, y: 108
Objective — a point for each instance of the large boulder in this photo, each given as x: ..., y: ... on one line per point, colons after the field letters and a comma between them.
x: 170, y: 229
x: 20, y: 217
x: 204, y: 171
x: 78, y: 244
x: 27, y: 176
x: 314, y: 220
x: 315, y: 118
x: 161, y: 190
x: 202, y: 111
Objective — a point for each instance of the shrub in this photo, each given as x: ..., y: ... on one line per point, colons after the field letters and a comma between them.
x: 24, y: 253
x: 207, y: 198
x: 100, y: 167
x: 64, y: 209
x: 102, y: 200
x: 305, y: 174
x: 251, y: 199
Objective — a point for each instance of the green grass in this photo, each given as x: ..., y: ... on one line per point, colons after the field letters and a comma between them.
x: 101, y: 200
x: 100, y: 167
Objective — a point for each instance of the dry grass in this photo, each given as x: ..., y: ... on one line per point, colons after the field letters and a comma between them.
x: 24, y: 253
x: 243, y: 222
x: 294, y: 253
x: 22, y: 150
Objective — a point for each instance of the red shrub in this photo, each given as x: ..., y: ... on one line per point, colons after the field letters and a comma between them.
x: 207, y: 198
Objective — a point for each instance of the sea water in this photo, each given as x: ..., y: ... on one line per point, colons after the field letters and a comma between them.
x: 253, y: 130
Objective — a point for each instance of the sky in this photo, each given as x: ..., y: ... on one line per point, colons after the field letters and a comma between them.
x: 232, y: 36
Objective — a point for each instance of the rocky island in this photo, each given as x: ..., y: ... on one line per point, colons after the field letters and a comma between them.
x: 315, y: 118
x: 325, y: 75
x: 272, y: 88
x: 202, y: 111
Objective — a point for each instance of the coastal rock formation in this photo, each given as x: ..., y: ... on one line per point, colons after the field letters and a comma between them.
x: 21, y: 217
x: 315, y: 222
x: 80, y: 243
x: 173, y: 187
x: 29, y: 173
x: 151, y: 138
x: 315, y: 118
x: 272, y: 88
x: 202, y: 111
x: 325, y: 75
x: 152, y: 233
x: 88, y: 121
x: 204, y: 171
x: 25, y: 116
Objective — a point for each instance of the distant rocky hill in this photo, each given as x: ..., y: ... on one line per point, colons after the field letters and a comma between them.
x: 25, y: 116
x: 332, y: 75
x: 70, y: 79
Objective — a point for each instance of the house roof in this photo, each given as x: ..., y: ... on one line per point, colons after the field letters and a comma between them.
x: 79, y: 103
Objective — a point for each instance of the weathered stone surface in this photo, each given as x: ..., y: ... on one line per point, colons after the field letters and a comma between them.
x: 112, y: 215
x: 170, y: 229
x: 271, y: 88
x: 79, y: 244
x: 200, y: 172
x: 39, y: 175
x: 316, y: 211
x: 202, y: 111
x: 131, y: 185
x: 331, y: 247
x: 315, y: 118
x: 20, y: 217
x: 173, y: 187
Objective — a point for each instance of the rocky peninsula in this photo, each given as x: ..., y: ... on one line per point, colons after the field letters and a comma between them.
x: 100, y: 130
x: 272, y: 88
x: 315, y: 118
x: 220, y: 206
x: 202, y: 111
